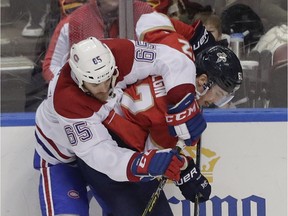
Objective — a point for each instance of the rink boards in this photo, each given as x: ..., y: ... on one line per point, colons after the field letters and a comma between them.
x: 244, y: 156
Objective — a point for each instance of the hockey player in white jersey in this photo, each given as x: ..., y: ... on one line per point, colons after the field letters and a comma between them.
x: 69, y: 124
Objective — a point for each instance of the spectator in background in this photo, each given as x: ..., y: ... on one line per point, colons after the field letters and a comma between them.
x: 212, y: 23
x: 271, y: 12
x: 173, y: 10
x: 168, y: 7
x: 188, y: 9
x: 98, y: 18
x: 192, y: 11
x: 240, y: 18
x: 272, y: 39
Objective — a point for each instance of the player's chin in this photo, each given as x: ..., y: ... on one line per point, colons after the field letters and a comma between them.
x: 101, y: 97
x: 207, y: 105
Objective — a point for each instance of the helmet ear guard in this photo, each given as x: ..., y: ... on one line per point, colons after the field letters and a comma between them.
x: 91, y: 61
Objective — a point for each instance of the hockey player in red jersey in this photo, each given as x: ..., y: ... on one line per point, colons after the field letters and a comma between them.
x: 219, y: 75
x: 69, y: 125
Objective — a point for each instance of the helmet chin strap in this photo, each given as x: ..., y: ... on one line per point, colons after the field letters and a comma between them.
x: 113, y: 81
x: 206, y: 87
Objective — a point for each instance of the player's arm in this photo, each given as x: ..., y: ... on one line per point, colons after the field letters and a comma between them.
x: 179, y: 75
x: 162, y: 31
x: 92, y: 143
x: 158, y: 28
x: 132, y: 134
x: 181, y: 98
x: 183, y: 116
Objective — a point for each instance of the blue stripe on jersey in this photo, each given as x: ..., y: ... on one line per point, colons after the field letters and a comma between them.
x: 43, y: 146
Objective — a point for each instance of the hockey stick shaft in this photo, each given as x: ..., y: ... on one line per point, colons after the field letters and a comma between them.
x: 149, y: 207
x: 198, y: 155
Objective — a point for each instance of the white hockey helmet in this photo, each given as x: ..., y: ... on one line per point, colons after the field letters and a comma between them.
x: 91, y: 61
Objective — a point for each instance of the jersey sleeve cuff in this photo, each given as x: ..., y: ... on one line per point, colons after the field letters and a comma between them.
x: 130, y: 175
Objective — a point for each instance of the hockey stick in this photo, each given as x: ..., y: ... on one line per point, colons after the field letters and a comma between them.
x: 198, y: 154
x: 149, y: 207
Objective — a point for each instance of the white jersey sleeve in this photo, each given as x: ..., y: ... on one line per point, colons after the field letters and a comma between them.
x: 68, y: 127
x: 175, y: 67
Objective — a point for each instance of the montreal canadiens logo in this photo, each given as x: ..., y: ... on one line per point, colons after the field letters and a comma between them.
x: 73, y: 194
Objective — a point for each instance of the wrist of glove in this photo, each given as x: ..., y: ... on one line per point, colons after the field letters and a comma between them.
x: 201, y: 39
x: 193, y: 183
x: 157, y: 163
x: 185, y: 120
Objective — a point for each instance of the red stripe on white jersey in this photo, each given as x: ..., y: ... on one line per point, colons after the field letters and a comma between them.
x: 45, y: 171
x: 60, y: 155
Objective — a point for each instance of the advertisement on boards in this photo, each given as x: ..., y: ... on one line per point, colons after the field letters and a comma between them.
x: 245, y: 162
x: 246, y: 165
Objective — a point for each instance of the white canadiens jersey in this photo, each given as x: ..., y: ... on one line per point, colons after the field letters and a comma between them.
x: 69, y: 123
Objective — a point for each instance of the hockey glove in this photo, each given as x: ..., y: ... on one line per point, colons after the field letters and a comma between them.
x: 156, y: 163
x: 193, y: 183
x: 185, y: 120
x: 201, y: 38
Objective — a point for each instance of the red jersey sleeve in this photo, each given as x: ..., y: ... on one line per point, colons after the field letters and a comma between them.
x: 158, y: 28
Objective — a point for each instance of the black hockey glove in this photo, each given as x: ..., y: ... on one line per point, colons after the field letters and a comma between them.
x: 193, y: 183
x: 201, y: 39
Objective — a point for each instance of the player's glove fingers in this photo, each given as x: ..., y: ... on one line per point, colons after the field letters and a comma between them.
x: 204, y: 190
x: 174, y: 169
x: 192, y: 182
x: 196, y: 127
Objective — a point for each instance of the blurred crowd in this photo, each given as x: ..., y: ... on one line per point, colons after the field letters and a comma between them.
x: 256, y: 30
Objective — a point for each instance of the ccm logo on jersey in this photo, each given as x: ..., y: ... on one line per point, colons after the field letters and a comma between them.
x: 184, y: 116
x: 187, y: 177
x: 204, y: 38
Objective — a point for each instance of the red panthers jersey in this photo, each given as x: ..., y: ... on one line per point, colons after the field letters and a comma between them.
x: 145, y: 104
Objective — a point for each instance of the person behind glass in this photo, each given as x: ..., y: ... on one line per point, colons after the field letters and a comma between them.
x: 168, y: 7
x: 69, y: 125
x: 271, y: 13
x: 188, y: 9
x: 97, y: 18
x: 212, y: 23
